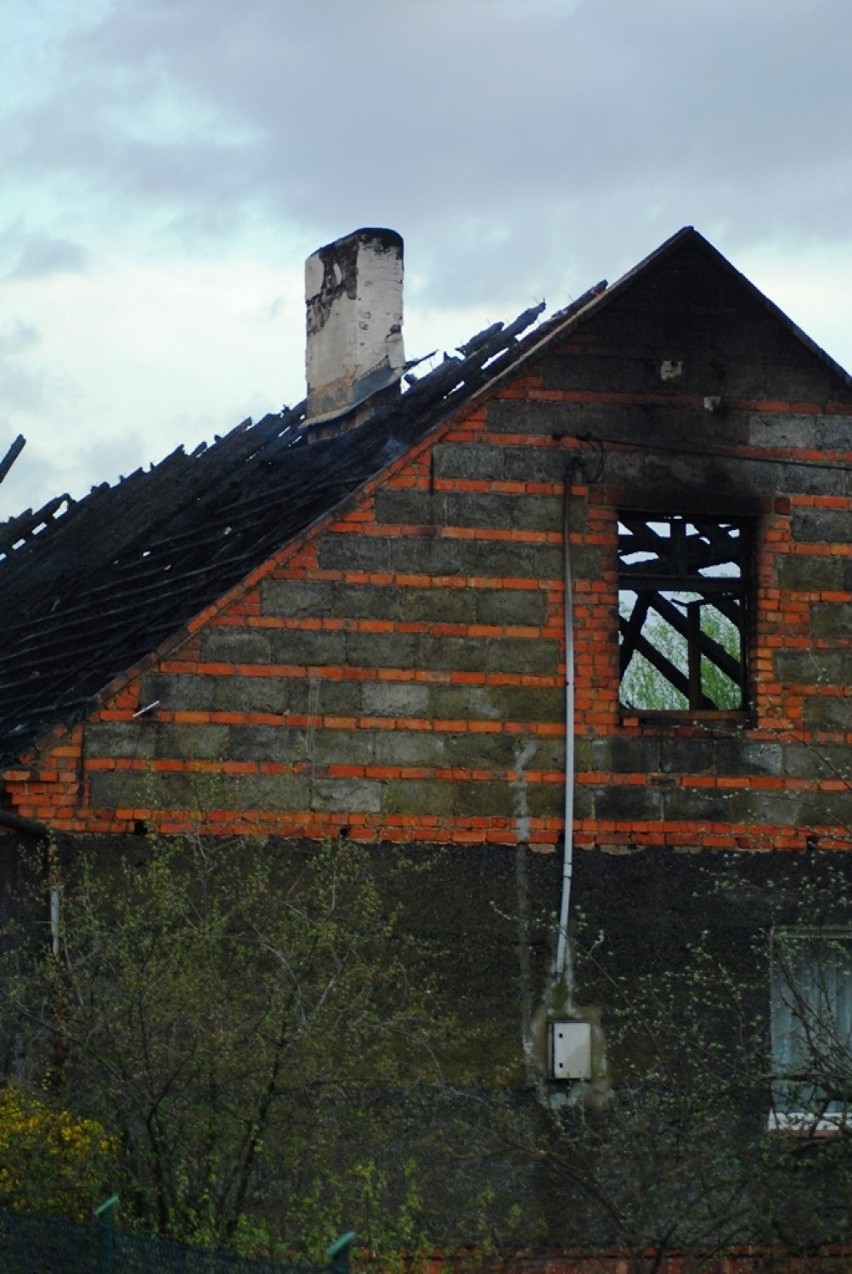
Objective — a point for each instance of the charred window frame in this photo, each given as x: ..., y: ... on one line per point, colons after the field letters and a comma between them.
x: 683, y: 614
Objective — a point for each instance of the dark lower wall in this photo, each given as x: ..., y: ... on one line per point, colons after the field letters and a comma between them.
x: 671, y: 965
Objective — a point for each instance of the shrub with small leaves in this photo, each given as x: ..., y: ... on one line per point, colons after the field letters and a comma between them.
x: 51, y: 1161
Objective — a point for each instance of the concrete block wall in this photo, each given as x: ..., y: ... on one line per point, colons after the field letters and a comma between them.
x: 398, y: 673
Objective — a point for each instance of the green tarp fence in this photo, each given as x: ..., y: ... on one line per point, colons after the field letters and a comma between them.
x: 32, y: 1244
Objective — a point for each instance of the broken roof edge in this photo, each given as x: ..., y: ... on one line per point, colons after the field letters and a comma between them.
x: 21, y: 529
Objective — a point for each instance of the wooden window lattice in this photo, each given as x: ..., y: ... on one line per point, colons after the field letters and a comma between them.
x: 674, y: 572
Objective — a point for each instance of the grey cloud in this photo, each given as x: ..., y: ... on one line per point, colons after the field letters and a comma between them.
x: 17, y: 337
x: 33, y: 254
x: 342, y: 88
x: 97, y: 144
x: 115, y: 457
x: 477, y: 123
x: 41, y: 255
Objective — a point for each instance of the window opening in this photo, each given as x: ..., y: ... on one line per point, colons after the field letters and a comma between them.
x: 811, y: 994
x: 682, y: 613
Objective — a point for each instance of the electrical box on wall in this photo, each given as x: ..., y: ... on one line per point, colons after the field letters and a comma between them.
x: 570, y: 1050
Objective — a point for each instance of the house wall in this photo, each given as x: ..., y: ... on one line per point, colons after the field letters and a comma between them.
x: 398, y: 673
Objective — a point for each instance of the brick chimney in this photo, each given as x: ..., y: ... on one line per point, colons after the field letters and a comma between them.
x: 353, y: 296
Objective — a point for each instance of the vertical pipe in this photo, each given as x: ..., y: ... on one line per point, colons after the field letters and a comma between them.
x: 55, y: 919
x: 568, y: 813
x: 54, y: 896
x: 60, y: 1008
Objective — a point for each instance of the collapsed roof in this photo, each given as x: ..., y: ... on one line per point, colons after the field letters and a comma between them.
x: 90, y: 587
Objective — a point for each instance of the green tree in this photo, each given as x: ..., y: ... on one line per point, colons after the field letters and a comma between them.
x: 223, y: 1009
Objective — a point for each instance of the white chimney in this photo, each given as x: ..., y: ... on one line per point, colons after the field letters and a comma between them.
x: 353, y: 296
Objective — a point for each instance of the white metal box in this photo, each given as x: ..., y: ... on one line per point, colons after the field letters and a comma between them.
x: 570, y: 1050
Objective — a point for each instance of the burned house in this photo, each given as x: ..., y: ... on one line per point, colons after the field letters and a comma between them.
x: 349, y: 618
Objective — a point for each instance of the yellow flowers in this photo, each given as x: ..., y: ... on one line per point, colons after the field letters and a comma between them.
x: 50, y: 1160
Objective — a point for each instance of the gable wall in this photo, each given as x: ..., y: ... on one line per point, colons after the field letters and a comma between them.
x: 400, y: 677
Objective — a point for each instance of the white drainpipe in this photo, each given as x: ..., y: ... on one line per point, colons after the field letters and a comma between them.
x: 568, y: 852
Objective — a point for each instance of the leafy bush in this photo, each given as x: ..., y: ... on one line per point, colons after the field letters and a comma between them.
x: 51, y: 1161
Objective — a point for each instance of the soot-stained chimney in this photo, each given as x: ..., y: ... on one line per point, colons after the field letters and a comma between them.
x: 353, y: 297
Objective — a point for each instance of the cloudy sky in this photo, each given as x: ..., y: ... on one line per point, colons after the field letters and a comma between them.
x: 169, y: 164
